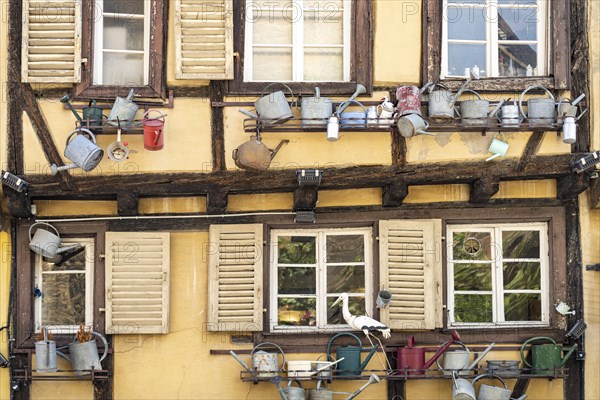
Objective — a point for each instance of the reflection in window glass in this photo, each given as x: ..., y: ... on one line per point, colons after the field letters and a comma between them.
x: 472, y: 246
x: 466, y: 23
x: 521, y: 244
x: 295, y: 311
x: 461, y: 56
x: 472, y: 276
x: 473, y: 308
x: 522, y: 276
x: 297, y: 250
x: 523, y: 307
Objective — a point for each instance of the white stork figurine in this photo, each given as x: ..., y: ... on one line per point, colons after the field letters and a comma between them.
x: 361, y: 322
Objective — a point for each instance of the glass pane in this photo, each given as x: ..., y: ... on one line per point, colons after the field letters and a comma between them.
x: 297, y: 312
x: 128, y: 7
x: 323, y: 65
x: 470, y: 2
x: 323, y: 28
x: 523, y: 307
x: 461, y: 56
x: 114, y: 72
x: 472, y: 246
x: 350, y: 279
x: 63, y: 302
x: 521, y: 244
x: 356, y: 305
x: 473, y: 308
x: 345, y: 248
x: 517, y: 23
x: 296, y: 250
x: 522, y: 276
x: 513, y: 59
x: 472, y: 277
x: 74, y: 263
x: 271, y: 30
x: 466, y: 23
x: 330, y: 6
x: 272, y: 64
x: 297, y: 280
x: 123, y: 34
x: 516, y: 2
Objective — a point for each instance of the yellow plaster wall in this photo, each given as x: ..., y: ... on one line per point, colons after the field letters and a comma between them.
x: 437, y: 193
x: 350, y: 197
x: 57, y: 208
x: 260, y: 202
x: 526, y: 189
x: 165, y: 205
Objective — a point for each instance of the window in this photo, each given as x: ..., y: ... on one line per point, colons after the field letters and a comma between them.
x: 504, y: 38
x: 294, y: 41
x: 121, y: 37
x: 123, y: 47
x: 498, y: 274
x: 311, y: 268
x: 304, y: 43
x: 64, y: 289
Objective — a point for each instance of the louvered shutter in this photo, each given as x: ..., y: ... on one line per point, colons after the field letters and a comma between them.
x: 235, y: 278
x: 204, y: 39
x: 411, y: 269
x: 51, y: 47
x: 137, y: 282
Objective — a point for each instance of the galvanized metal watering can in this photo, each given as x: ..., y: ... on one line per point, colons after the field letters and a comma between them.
x: 351, y: 118
x: 540, y: 111
x: 265, y: 363
x: 272, y: 108
x: 45, y: 354
x: 316, y: 110
x: 46, y: 243
x: 441, y: 100
x: 488, y: 392
x: 124, y: 110
x: 84, y: 356
x: 351, y: 365
x: 82, y: 151
x: 546, y: 357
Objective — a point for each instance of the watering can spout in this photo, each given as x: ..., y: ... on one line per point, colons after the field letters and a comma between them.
x: 442, y: 350
x: 368, y: 358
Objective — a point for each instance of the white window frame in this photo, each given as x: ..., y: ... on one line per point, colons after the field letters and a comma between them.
x: 99, y: 49
x: 321, y: 304
x: 497, y: 273
x: 297, y: 45
x: 543, y: 34
x: 89, y: 287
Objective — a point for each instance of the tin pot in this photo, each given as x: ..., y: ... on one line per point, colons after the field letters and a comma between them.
x: 82, y: 151
x: 316, y: 110
x: 154, y: 137
x: 540, y: 111
x: 294, y: 393
x: 509, y: 116
x: 441, y: 102
x: 351, y: 365
x: 253, y: 155
x: 409, y: 100
x: 84, y: 356
x: 462, y: 389
x: 45, y: 354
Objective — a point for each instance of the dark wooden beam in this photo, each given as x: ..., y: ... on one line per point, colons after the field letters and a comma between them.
x: 595, y: 193
x: 19, y: 204
x: 40, y: 126
x: 277, y: 181
x: 580, y: 67
x: 396, y: 389
x: 531, y: 148
x: 306, y: 198
x: 399, y: 148
x: 14, y: 147
x: 570, y: 186
x: 103, y: 388
x: 483, y: 189
x: 394, y: 194
x: 127, y: 203
x: 216, y: 201
x: 217, y: 127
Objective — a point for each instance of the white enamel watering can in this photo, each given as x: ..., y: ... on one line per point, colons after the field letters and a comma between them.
x: 46, y: 243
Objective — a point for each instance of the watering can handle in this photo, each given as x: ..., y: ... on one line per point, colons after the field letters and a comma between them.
x: 347, y: 103
x: 162, y: 117
x: 478, y: 377
x: 437, y: 361
x: 523, y: 96
x: 283, y: 84
x: 273, y: 345
x: 42, y: 223
x: 328, y: 350
x: 522, y: 351
x: 86, y: 131
x: 104, y: 342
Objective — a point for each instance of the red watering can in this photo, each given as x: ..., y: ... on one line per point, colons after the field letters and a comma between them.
x: 154, y: 138
x: 413, y: 358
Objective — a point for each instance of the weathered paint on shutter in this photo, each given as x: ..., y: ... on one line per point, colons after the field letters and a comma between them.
x: 204, y: 39
x: 235, y: 278
x: 137, y: 282
x: 51, y: 46
x: 411, y: 269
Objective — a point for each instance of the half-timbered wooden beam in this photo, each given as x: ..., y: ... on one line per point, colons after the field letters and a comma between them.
x: 14, y: 146
x: 394, y: 194
x: 570, y: 186
x: 580, y: 67
x: 595, y: 193
x: 127, y: 203
x: 217, y: 126
x: 483, y: 189
x: 216, y: 201
x: 531, y: 148
x: 306, y: 198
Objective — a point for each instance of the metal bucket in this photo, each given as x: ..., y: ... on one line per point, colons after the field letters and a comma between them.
x: 539, y: 111
x: 462, y: 389
x: 83, y: 151
x: 324, y: 373
x: 45, y: 356
x: 503, y: 367
x: 154, y: 138
x: 315, y: 111
x: 409, y: 100
x: 84, y: 356
x: 487, y: 392
x: 266, y: 364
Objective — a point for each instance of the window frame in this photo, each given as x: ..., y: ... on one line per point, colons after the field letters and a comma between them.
x: 157, y: 63
x: 496, y: 262
x: 361, y: 56
x: 321, y: 275
x: 558, y: 75
x: 25, y: 329
x: 89, y: 287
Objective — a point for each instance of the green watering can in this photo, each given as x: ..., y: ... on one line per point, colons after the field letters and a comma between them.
x: 546, y: 357
x: 350, y: 365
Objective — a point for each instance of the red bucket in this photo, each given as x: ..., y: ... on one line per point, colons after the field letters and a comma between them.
x: 154, y: 138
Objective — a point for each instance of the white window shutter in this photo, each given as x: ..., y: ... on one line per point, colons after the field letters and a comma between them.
x: 137, y: 282
x: 204, y: 39
x: 235, y: 278
x: 51, y: 46
x: 411, y: 269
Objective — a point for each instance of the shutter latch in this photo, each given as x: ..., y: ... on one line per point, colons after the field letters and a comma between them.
x: 236, y: 56
x: 84, y: 63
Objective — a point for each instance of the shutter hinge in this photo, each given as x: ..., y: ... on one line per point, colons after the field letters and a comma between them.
x: 236, y: 56
x: 102, y: 256
x: 84, y: 63
x: 102, y: 309
x: 377, y: 238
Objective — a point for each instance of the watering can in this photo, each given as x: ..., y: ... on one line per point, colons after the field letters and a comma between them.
x: 84, y: 152
x: 462, y: 389
x: 84, y: 356
x: 272, y: 108
x: 45, y: 354
x: 294, y: 393
x: 349, y: 118
x: 540, y: 111
x: 351, y: 365
x: 409, y: 99
x: 441, y: 101
x: 320, y: 393
x: 92, y: 115
x: 46, y: 243
x: 265, y: 363
x: 253, y: 155
x: 546, y: 357
x: 413, y: 358
x: 488, y: 392
x: 566, y: 108
x: 456, y: 361
x: 475, y: 112
x: 315, y: 110
x: 154, y: 138
x: 123, y: 110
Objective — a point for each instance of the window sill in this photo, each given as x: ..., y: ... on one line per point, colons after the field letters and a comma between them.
x: 501, y: 84
x: 305, y: 88
x: 109, y: 93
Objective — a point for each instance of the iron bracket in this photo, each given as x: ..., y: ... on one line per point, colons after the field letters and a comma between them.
x: 580, y: 355
x: 593, y: 267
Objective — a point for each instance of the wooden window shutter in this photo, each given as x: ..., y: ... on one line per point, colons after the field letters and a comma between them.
x: 51, y: 46
x: 411, y: 269
x: 204, y: 39
x: 137, y: 282
x: 235, y: 278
